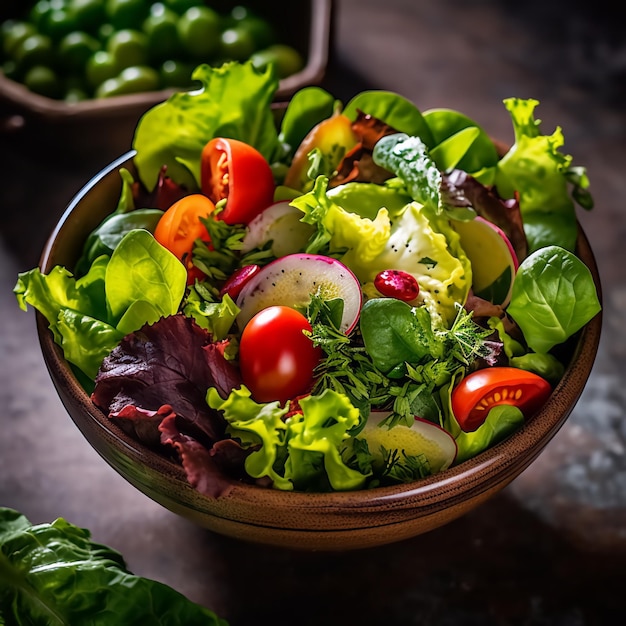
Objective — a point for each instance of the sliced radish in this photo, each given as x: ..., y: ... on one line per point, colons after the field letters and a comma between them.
x: 293, y: 279
x: 493, y: 259
x: 279, y: 223
x: 422, y: 438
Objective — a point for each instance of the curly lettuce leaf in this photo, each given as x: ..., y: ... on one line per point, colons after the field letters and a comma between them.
x: 536, y: 170
x: 302, y: 452
x: 364, y: 237
x: 54, y: 574
x: 234, y: 101
x: 257, y: 426
x: 314, y: 440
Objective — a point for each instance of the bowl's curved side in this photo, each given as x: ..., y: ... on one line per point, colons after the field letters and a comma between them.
x: 299, y: 520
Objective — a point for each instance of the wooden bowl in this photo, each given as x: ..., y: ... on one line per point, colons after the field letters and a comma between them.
x: 325, y: 521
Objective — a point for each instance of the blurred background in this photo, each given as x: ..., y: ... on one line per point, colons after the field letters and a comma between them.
x: 551, y: 548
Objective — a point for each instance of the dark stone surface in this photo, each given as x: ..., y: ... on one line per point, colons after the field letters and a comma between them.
x: 551, y: 548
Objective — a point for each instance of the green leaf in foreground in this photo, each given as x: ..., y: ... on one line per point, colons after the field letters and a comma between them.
x: 54, y: 574
x: 553, y: 297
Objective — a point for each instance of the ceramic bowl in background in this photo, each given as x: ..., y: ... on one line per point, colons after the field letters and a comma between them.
x: 105, y: 126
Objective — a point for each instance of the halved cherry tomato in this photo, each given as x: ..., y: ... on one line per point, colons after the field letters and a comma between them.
x: 236, y: 171
x: 180, y: 227
x: 483, y: 389
x: 275, y: 357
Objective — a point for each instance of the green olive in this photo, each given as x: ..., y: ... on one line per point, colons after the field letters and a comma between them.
x: 199, y: 32
x: 75, y: 49
x: 176, y: 74
x: 36, y: 49
x: 236, y: 44
x: 13, y: 33
x: 43, y: 80
x: 100, y: 67
x: 128, y: 48
x: 180, y: 6
x: 135, y: 79
x: 88, y: 14
x: 126, y: 13
x: 58, y: 23
x: 161, y: 28
x: 260, y: 29
x: 286, y: 59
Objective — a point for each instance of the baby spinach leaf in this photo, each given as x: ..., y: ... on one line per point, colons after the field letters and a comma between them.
x: 141, y: 269
x: 395, y: 333
x: 553, y: 297
x: 398, y: 112
x: 54, y: 574
x: 307, y: 108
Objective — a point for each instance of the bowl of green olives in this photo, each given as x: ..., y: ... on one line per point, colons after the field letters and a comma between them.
x: 76, y: 68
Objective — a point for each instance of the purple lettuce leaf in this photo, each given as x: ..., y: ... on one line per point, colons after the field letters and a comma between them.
x: 171, y: 362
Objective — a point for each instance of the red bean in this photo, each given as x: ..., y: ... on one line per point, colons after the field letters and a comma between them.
x: 397, y: 284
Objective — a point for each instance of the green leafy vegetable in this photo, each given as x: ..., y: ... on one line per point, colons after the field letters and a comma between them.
x: 54, y: 575
x: 407, y: 157
x: 174, y: 132
x: 307, y: 108
x: 452, y: 132
x: 303, y: 452
x: 104, y: 239
x: 88, y: 316
x: 398, y: 112
x: 554, y: 296
x: 141, y: 269
x: 540, y: 174
x: 396, y: 334
x: 502, y: 421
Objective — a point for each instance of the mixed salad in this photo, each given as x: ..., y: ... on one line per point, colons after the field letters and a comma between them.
x: 324, y: 296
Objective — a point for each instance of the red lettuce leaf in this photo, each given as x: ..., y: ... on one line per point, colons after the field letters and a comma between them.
x: 171, y: 362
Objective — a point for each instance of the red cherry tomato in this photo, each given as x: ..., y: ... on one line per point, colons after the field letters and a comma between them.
x: 236, y: 171
x: 483, y: 389
x: 180, y: 226
x: 275, y: 357
x: 397, y: 284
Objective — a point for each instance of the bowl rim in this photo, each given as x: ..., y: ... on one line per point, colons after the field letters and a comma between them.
x: 477, y: 477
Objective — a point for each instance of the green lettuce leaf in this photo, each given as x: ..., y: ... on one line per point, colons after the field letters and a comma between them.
x: 381, y: 235
x: 88, y: 316
x: 304, y: 451
x: 314, y: 440
x: 540, y: 174
x: 54, y: 574
x: 257, y: 426
x: 234, y: 101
